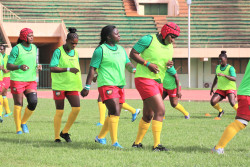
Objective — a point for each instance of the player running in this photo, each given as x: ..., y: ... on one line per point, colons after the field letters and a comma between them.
x: 225, y: 79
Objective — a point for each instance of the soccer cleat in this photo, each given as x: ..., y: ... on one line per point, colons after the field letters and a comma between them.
x: 137, y: 145
x: 221, y: 113
x: 1, y: 120
x: 19, y: 132
x: 116, y: 144
x: 66, y: 137
x: 57, y: 141
x: 24, y: 128
x: 187, y: 117
x: 218, y: 151
x: 101, y: 141
x: 9, y: 114
x: 159, y: 148
x: 99, y: 124
x: 134, y: 116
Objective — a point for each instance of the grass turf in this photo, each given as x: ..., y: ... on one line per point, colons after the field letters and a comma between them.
x: 189, y: 141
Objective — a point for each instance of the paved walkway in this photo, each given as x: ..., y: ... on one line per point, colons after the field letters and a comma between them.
x: 193, y: 95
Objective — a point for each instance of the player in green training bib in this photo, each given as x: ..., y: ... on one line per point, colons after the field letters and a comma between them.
x: 1, y: 86
x: 66, y: 82
x: 225, y: 79
x: 243, y: 114
x: 152, y: 53
x: 172, y: 89
x: 23, y: 66
x: 111, y: 60
x: 6, y: 82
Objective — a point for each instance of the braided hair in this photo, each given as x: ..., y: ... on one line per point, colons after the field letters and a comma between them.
x: 72, y: 33
x: 106, y: 31
x: 223, y: 54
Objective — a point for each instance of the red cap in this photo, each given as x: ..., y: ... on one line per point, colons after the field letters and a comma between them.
x: 170, y: 28
x: 24, y: 33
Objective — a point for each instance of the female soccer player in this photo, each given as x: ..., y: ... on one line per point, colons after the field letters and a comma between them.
x: 243, y: 113
x: 152, y: 53
x: 6, y: 82
x: 22, y: 63
x: 66, y: 82
x: 110, y: 59
x: 225, y: 77
x: 172, y: 88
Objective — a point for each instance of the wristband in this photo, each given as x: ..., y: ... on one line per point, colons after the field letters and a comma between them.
x: 87, y: 87
x: 68, y: 69
x: 19, y: 67
x: 147, y: 63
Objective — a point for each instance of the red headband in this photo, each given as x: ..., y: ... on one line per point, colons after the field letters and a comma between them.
x: 24, y: 33
x: 170, y: 28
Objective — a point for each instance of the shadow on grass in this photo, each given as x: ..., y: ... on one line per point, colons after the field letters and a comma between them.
x: 190, y: 149
x: 51, y: 144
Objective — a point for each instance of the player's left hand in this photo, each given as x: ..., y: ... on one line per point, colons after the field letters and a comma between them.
x: 84, y: 92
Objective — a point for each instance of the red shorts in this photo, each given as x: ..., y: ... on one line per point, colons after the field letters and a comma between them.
x: 18, y: 87
x: 6, y: 82
x: 60, y: 94
x: 1, y: 86
x: 148, y: 87
x: 171, y: 92
x: 111, y: 92
x: 224, y: 93
x: 243, y: 110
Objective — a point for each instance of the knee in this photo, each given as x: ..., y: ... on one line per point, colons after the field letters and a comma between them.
x: 147, y: 117
x: 212, y: 102
x: 174, y: 104
x: 232, y: 103
x: 32, y: 100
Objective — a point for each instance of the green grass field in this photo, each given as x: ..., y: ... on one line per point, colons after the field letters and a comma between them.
x: 189, y: 141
